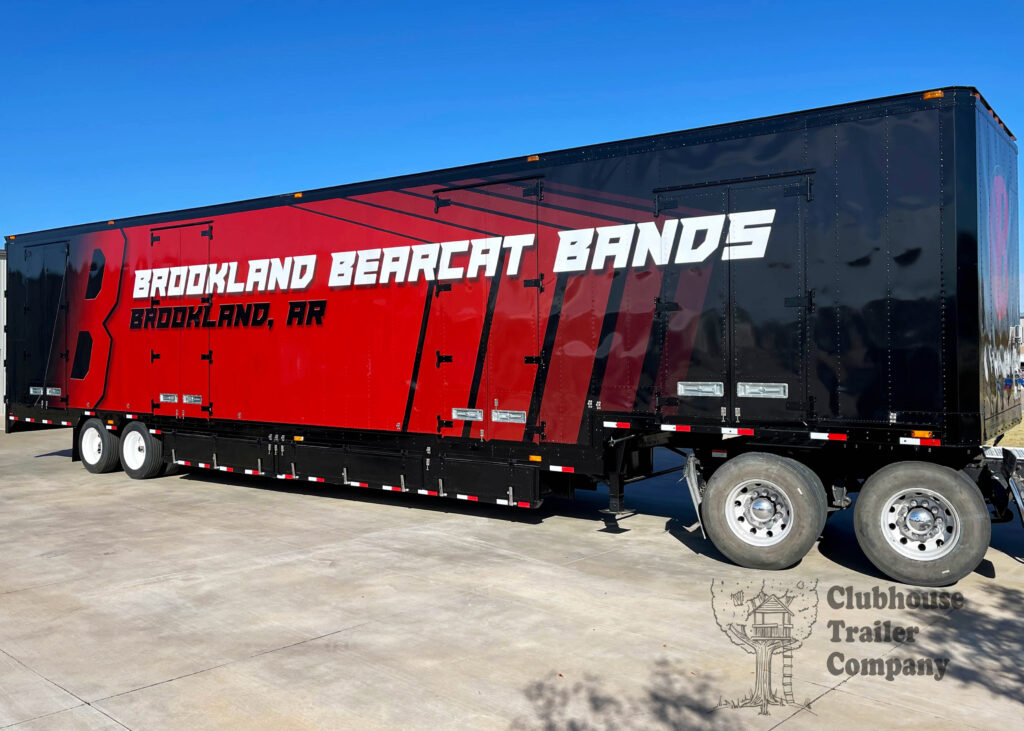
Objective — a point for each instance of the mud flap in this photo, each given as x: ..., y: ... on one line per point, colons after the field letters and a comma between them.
x: 1004, y: 462
x: 696, y: 485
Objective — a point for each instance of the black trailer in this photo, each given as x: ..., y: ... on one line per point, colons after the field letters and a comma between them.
x: 808, y: 305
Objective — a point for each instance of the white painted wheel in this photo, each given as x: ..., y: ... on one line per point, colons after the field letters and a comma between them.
x: 92, y: 446
x: 133, y: 450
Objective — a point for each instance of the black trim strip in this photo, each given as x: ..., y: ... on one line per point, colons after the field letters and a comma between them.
x: 541, y: 379
x: 485, y: 335
x: 604, y: 343
x: 419, y: 356
x: 468, y: 186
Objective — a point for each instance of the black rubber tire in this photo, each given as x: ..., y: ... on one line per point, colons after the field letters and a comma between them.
x: 107, y: 460
x: 803, y: 490
x: 153, y: 460
x: 956, y: 488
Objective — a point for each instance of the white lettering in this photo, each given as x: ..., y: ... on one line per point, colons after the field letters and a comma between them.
x: 515, y: 245
x: 446, y: 270
x: 573, y: 250
x: 366, y: 269
x: 653, y: 245
x: 141, y: 288
x: 424, y: 259
x: 484, y: 254
x: 341, y: 268
x: 280, y: 272
x: 256, y: 281
x: 711, y: 226
x: 613, y: 241
x: 302, y: 271
x: 395, y: 261
x: 745, y: 242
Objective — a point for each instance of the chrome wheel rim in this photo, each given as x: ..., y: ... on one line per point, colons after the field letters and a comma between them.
x: 133, y: 449
x: 920, y: 524
x: 759, y: 512
x: 91, y: 446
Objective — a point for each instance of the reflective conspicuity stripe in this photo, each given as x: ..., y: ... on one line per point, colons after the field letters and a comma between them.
x: 286, y: 477
x: 253, y: 472
x: 204, y: 465
x: 357, y: 484
x: 226, y: 469
x: 474, y: 498
x: 12, y: 417
x: 616, y: 425
x: 315, y: 479
x: 46, y: 421
x: 737, y: 432
x: 674, y: 427
x: 155, y: 431
x: 183, y: 462
x: 65, y: 423
x: 130, y: 416
x: 89, y: 413
x: 391, y: 488
x: 110, y: 427
x: 921, y: 442
x: 560, y: 468
x: 828, y: 436
x: 427, y: 492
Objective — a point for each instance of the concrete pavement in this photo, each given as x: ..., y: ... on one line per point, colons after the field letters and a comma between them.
x: 205, y: 600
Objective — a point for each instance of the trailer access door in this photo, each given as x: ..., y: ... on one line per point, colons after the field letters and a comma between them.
x: 732, y: 326
x: 37, y: 326
x: 180, y: 374
x: 768, y: 299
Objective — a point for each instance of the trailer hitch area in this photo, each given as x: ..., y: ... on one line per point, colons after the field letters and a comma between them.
x: 1010, y: 473
x: 695, y: 482
x: 1003, y: 464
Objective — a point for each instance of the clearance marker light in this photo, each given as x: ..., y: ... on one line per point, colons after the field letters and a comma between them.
x: 937, y: 94
x: 922, y: 434
x: 535, y: 458
x: 533, y: 158
x: 296, y: 195
x: 298, y: 439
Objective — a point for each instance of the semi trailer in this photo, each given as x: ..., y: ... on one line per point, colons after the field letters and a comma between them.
x: 805, y: 306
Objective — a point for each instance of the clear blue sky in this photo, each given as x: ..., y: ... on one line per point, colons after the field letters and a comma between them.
x: 112, y: 109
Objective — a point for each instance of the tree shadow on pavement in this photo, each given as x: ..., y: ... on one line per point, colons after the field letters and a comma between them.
x: 669, y: 701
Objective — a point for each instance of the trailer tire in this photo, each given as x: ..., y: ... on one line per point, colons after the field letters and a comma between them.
x: 764, y: 511
x: 142, y: 456
x: 97, y: 447
x: 922, y: 523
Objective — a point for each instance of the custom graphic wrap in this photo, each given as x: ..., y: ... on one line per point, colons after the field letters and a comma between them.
x: 997, y: 269
x: 481, y: 311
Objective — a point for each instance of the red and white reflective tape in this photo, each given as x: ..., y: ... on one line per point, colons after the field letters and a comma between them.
x: 674, y: 427
x: 89, y: 413
x: 560, y: 468
x: 65, y: 423
x: 315, y: 479
x: 12, y: 417
x: 391, y: 488
x: 286, y: 477
x: 828, y: 436
x: 110, y: 427
x: 617, y: 425
x: 736, y: 431
x: 472, y: 498
x: 719, y: 453
x: 182, y: 462
x: 155, y: 431
x: 226, y: 469
x: 427, y: 492
x: 31, y: 419
x: 204, y: 465
x: 514, y: 503
x: 46, y: 421
x: 253, y: 472
x: 921, y: 442
x: 130, y: 416
x: 356, y: 484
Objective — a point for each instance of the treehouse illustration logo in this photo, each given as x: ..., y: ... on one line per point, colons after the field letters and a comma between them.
x: 768, y: 619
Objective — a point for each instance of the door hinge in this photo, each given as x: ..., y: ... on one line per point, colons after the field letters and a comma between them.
x: 443, y: 359
x: 154, y: 303
x: 208, y: 408
x: 537, y: 429
x: 661, y: 307
x: 534, y: 360
x: 65, y: 354
x: 804, y: 300
x: 208, y: 355
x: 153, y: 356
x: 207, y: 299
x: 443, y: 424
x: 538, y: 283
x: 439, y: 288
x: 207, y: 232
x: 806, y: 188
x: 153, y: 238
x: 440, y: 203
